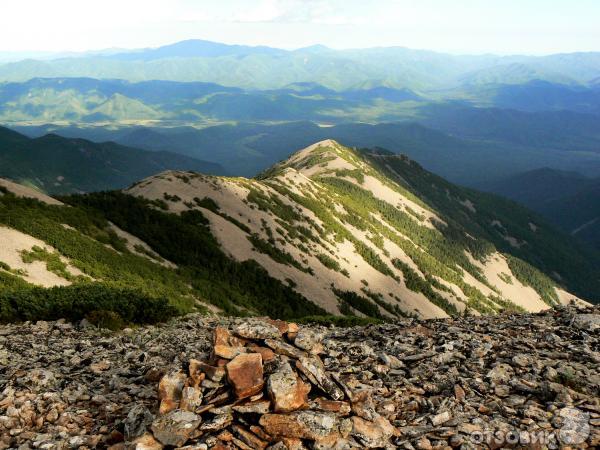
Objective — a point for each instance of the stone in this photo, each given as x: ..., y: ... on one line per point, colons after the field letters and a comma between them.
x: 249, y: 438
x: 281, y: 325
x: 309, y: 340
x: 313, y: 369
x: 146, y: 442
x: 363, y: 405
x: 502, y: 390
x: 137, y: 421
x: 505, y: 372
x: 301, y: 425
x: 217, y: 423
x: 372, y: 434
x: 391, y: 361
x: 283, y: 348
x: 587, y: 322
x: 100, y: 366
x: 197, y: 368
x: 326, y: 405
x: 286, y: 390
x: 221, y: 336
x: 257, y: 330
x: 175, y: 427
x: 257, y: 407
x: 245, y: 374
x: 191, y: 398
x: 227, y: 351
x: 266, y: 353
x: 500, y: 374
x: 440, y: 418
x: 169, y: 391
x: 521, y: 360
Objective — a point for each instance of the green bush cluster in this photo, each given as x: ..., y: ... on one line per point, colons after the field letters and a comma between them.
x: 358, y: 302
x: 530, y: 276
x: 416, y: 283
x: 547, y: 250
x: 237, y: 287
x: 78, y: 301
x: 339, y: 321
x: 329, y: 262
x: 275, y: 253
x: 53, y: 262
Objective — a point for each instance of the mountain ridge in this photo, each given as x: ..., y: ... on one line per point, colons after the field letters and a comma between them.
x: 64, y: 165
x: 400, y: 66
x: 243, y: 214
x: 361, y: 233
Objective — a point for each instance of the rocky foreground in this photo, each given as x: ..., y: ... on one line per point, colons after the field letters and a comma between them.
x: 512, y: 381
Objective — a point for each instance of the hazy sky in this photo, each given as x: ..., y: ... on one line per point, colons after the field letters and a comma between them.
x: 462, y: 26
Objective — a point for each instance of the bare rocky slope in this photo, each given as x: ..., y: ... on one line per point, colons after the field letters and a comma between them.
x: 372, y: 233
x: 500, y: 381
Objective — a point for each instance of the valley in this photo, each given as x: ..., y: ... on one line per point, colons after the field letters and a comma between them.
x: 299, y: 225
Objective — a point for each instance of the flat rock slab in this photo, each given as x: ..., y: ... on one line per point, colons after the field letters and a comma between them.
x: 245, y: 374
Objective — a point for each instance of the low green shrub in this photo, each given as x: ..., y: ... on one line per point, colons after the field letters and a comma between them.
x: 106, y: 319
x: 339, y: 321
x: 78, y: 301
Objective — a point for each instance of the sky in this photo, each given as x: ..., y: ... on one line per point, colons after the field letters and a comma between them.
x: 455, y: 26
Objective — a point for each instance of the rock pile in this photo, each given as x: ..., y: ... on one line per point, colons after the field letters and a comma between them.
x: 265, y: 386
x: 505, y: 381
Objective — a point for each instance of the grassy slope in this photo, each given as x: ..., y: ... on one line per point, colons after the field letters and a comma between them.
x: 548, y: 249
x: 204, y: 272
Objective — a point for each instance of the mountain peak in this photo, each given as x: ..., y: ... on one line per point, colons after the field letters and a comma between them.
x: 323, y: 156
x: 331, y: 215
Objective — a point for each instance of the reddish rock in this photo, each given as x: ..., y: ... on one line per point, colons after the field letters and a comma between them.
x: 248, y: 437
x: 225, y: 436
x: 227, y: 351
x: 372, y: 434
x: 301, y: 425
x: 286, y: 390
x: 363, y: 405
x: 220, y: 447
x: 293, y: 444
x: 245, y: 374
x: 266, y: 353
x: 338, y: 407
x: 198, y: 370
x: 281, y: 325
x: 169, y: 391
x: 221, y: 336
x: 146, y: 442
x: 260, y: 433
x: 459, y: 392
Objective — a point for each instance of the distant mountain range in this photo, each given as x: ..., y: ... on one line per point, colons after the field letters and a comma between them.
x: 268, y: 68
x: 61, y: 165
x: 469, y: 146
x: 95, y: 101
